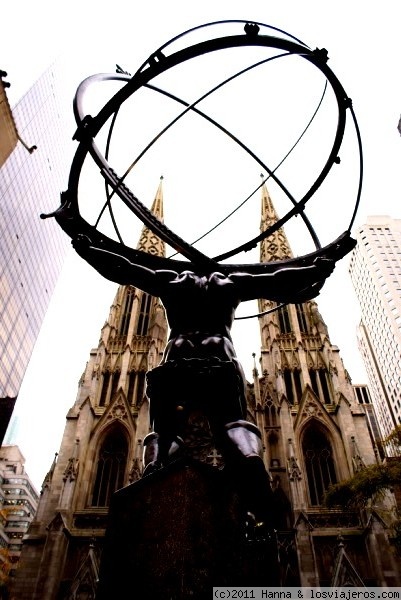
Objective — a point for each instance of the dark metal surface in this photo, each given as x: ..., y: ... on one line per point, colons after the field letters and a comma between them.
x: 68, y: 215
x: 200, y: 371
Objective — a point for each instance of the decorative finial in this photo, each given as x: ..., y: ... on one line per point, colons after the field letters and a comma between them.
x: 251, y: 29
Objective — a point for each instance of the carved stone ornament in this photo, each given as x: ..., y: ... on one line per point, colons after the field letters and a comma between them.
x: 311, y: 409
x: 294, y: 471
x: 118, y: 412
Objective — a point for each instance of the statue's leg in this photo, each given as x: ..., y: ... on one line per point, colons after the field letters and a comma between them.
x: 244, y: 456
x: 166, y: 418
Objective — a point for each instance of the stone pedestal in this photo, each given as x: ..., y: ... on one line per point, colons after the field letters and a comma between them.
x: 175, y: 534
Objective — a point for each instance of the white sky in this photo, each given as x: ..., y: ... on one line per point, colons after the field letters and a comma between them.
x: 364, y: 47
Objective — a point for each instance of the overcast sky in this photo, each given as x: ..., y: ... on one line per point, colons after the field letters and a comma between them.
x: 363, y: 42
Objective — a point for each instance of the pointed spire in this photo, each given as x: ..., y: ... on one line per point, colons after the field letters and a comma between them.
x: 71, y: 471
x: 357, y: 460
x: 255, y: 373
x: 345, y: 574
x: 255, y: 369
x: 294, y: 471
x: 276, y: 246
x: 49, y: 476
x: 149, y: 242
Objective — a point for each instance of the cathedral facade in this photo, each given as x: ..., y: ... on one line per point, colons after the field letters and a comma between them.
x: 314, y: 433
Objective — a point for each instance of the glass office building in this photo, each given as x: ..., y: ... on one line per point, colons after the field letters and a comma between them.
x: 375, y: 270
x: 31, y: 250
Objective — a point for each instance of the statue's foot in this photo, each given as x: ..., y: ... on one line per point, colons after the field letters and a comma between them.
x: 158, y: 454
x: 152, y: 467
x: 257, y: 531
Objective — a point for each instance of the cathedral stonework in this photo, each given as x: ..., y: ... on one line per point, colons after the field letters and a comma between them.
x: 314, y: 433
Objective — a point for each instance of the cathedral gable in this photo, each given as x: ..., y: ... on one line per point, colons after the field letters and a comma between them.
x: 84, y: 584
x: 117, y: 411
x: 143, y: 365
x: 345, y: 573
x: 285, y: 360
x: 107, y: 363
x: 302, y: 522
x: 57, y: 523
x: 87, y: 401
x: 342, y: 398
x: 268, y: 394
x: 310, y: 408
x: 117, y: 363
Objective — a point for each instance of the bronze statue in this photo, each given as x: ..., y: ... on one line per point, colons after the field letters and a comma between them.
x: 200, y: 371
x: 200, y: 367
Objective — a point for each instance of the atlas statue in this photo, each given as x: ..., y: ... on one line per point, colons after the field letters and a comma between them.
x: 199, y: 368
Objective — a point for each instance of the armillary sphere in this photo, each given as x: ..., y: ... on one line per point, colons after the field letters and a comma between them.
x: 250, y: 34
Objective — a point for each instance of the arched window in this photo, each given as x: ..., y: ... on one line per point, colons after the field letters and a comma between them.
x: 110, y: 470
x: 105, y: 388
x: 144, y: 313
x: 293, y: 386
x: 109, y: 387
x: 270, y: 413
x: 319, y: 463
x: 131, y: 387
x: 114, y: 384
x: 284, y: 319
x: 321, y: 384
x: 126, y: 312
x: 325, y: 385
x: 273, y: 449
x: 140, y: 391
x: 302, y: 318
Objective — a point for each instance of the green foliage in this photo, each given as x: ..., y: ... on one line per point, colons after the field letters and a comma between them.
x: 370, y: 482
x: 394, y: 437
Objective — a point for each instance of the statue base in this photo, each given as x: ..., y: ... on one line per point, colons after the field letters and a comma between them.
x: 178, y: 533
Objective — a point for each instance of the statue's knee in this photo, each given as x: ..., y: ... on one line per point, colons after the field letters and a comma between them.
x: 245, y: 438
x: 150, y: 448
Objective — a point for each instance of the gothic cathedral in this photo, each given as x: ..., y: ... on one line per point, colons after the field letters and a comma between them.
x: 314, y: 433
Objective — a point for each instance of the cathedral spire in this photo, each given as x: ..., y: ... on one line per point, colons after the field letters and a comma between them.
x: 275, y: 246
x: 149, y: 242
x: 134, y: 314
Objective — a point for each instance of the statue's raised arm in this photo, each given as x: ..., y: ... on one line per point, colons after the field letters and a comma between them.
x: 287, y: 285
x: 120, y: 269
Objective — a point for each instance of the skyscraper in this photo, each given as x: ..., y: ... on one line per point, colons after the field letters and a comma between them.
x: 375, y: 270
x: 314, y: 432
x: 31, y: 250
x: 19, y: 501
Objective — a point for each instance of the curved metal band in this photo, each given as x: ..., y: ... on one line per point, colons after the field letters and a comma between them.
x: 68, y: 214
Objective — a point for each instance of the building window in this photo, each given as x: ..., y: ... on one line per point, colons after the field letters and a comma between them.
x: 320, y: 384
x: 126, y: 312
x: 319, y: 463
x: 302, y: 318
x: 114, y: 384
x: 110, y: 468
x: 270, y: 414
x: 284, y: 319
x: 292, y: 380
x: 136, y: 387
x: 105, y: 388
x: 140, y: 392
x: 131, y: 386
x: 109, y: 387
x: 144, y: 312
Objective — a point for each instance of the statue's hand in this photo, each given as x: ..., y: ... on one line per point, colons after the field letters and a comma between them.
x: 325, y: 265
